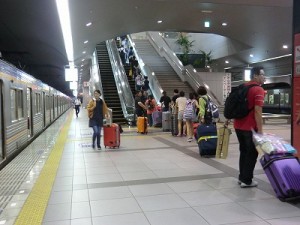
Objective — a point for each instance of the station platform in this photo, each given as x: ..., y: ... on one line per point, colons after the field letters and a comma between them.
x: 153, y: 179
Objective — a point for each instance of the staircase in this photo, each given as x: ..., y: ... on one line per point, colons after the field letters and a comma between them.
x: 167, y: 77
x: 110, y: 91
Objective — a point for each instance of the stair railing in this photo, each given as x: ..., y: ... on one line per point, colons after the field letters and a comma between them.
x: 123, y: 87
x: 196, y: 81
x: 154, y: 85
x: 165, y: 51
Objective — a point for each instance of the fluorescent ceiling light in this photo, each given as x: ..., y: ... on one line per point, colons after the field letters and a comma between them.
x: 206, y: 11
x: 65, y: 23
x: 247, y: 74
x: 251, y: 55
x: 278, y: 57
x: 84, y: 52
x: 89, y: 24
x: 284, y: 46
x: 224, y: 24
x: 206, y: 24
x: 73, y: 85
x: 226, y: 61
x: 82, y: 60
x: 85, y: 41
x: 159, y: 21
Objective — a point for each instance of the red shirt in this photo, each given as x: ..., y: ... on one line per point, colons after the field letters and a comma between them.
x: 255, y: 97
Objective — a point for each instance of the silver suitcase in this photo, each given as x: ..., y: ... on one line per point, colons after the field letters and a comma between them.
x: 166, y: 121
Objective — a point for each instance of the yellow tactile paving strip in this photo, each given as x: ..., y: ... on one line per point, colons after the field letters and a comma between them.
x: 35, y: 206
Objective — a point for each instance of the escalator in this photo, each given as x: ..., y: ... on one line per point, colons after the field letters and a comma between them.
x: 110, y: 91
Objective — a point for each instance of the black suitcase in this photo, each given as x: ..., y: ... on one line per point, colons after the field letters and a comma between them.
x: 207, y: 139
x: 174, y: 124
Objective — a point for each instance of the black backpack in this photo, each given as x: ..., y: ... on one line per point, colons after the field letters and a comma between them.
x: 236, y: 104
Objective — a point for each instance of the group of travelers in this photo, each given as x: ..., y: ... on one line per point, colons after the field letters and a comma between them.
x: 145, y: 105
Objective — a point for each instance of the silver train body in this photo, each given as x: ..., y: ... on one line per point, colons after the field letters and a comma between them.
x: 27, y: 107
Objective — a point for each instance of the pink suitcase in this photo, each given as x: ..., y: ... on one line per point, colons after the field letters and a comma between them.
x: 112, y: 136
x: 283, y: 172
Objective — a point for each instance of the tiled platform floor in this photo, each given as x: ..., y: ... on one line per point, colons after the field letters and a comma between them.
x: 152, y: 179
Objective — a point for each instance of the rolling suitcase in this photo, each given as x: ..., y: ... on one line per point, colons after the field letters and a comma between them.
x: 223, y: 142
x: 283, y: 172
x: 174, y: 124
x: 142, y: 125
x: 166, y: 121
x: 157, y: 118
x: 195, y: 126
x: 112, y: 135
x: 207, y: 139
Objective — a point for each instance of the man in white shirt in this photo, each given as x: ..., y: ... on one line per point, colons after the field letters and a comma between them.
x: 77, y: 106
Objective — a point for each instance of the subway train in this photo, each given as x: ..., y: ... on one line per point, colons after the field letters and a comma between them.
x: 27, y: 107
x: 278, y: 98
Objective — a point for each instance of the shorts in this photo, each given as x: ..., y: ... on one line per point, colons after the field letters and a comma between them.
x: 180, y: 115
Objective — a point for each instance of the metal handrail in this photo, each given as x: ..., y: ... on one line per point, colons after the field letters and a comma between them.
x: 123, y: 87
x: 154, y: 85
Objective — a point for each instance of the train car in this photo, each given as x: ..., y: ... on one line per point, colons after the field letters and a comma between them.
x: 278, y: 98
x: 27, y: 107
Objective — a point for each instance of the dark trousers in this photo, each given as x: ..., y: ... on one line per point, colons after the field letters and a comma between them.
x: 96, y: 135
x: 248, y: 155
x: 150, y: 120
x: 77, y: 109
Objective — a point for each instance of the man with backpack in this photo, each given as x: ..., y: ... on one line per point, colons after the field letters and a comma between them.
x: 244, y: 105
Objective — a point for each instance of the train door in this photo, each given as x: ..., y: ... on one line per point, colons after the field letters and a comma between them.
x: 29, y: 112
x: 2, y: 154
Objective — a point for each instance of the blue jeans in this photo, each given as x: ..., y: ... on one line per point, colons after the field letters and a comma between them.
x: 96, y: 135
x: 248, y: 155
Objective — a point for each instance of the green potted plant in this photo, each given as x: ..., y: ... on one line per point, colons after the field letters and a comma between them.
x: 207, y: 57
x: 186, y: 46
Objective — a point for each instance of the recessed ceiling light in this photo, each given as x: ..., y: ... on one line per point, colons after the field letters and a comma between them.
x: 224, y: 24
x: 159, y: 21
x: 206, y: 24
x: 251, y: 55
x: 85, y: 41
x: 89, y: 24
x: 226, y: 61
x: 82, y: 60
x: 206, y: 11
x: 84, y: 52
x: 285, y: 46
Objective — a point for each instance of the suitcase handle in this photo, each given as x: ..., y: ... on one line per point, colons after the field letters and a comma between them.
x: 276, y: 159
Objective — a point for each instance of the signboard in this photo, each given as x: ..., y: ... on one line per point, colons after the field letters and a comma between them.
x: 226, y: 85
x: 296, y: 94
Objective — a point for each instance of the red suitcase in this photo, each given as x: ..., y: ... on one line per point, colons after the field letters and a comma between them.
x: 112, y: 136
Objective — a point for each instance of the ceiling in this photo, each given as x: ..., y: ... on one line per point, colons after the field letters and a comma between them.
x: 31, y: 37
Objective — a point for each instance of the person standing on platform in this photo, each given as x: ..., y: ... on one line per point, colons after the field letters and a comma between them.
x: 97, y: 110
x: 77, y: 106
x: 243, y: 128
x: 180, y: 106
x: 165, y: 101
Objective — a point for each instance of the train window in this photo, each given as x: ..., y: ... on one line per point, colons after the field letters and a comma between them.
x: 13, y: 104
x: 20, y: 103
x: 287, y: 98
x: 271, y: 99
x: 281, y: 98
x: 17, y: 109
x: 266, y: 100
x: 38, y: 103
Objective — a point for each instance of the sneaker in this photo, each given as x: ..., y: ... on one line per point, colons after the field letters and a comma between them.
x: 178, y: 135
x: 99, y: 148
x: 239, y: 182
x: 93, y: 146
x: 253, y: 184
x: 189, y: 139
